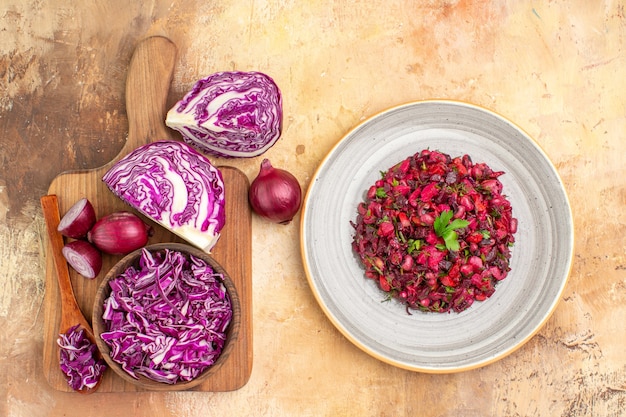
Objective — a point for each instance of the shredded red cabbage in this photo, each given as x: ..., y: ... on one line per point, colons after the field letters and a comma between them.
x: 78, y: 359
x: 167, y: 318
x: 230, y: 114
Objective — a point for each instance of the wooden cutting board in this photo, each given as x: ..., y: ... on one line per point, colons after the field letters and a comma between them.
x: 147, y: 86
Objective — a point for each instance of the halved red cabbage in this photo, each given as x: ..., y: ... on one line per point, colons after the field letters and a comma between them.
x: 230, y: 114
x: 167, y: 318
x: 174, y: 185
x: 78, y: 361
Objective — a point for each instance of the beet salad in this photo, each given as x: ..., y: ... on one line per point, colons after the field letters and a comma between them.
x: 436, y: 232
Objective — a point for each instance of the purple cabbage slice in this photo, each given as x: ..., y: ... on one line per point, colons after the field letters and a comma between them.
x: 78, y: 359
x: 174, y: 185
x: 230, y: 114
x: 166, y: 319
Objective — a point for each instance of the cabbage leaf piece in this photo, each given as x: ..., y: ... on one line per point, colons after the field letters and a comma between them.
x: 174, y: 185
x: 230, y: 114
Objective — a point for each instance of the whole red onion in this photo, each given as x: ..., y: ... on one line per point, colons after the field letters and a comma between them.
x: 275, y: 194
x: 119, y: 233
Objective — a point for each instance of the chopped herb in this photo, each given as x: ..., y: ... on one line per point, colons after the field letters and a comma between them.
x: 413, y: 245
x: 446, y: 229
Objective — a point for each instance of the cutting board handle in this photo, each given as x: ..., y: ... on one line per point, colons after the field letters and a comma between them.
x: 147, y: 86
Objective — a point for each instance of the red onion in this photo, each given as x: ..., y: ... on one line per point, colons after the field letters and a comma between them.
x: 78, y: 220
x: 83, y: 257
x: 119, y: 233
x: 175, y: 186
x: 275, y: 194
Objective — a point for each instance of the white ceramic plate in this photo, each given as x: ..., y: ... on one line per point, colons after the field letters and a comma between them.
x: 436, y: 342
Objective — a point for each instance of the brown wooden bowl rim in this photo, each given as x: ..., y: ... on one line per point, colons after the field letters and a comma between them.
x: 232, y: 332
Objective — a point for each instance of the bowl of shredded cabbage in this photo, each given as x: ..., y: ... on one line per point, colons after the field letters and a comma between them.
x: 166, y: 317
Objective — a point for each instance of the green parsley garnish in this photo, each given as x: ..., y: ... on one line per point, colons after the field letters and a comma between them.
x: 446, y: 229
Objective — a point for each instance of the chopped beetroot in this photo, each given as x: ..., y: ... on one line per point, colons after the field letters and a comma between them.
x: 436, y: 232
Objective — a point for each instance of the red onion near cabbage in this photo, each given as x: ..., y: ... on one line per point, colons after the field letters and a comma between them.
x: 83, y: 257
x: 174, y: 185
x: 230, y: 114
x: 119, y: 233
x: 78, y: 220
x: 78, y: 359
x: 167, y: 318
x: 275, y: 194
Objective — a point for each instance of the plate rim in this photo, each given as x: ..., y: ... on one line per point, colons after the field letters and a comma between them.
x: 340, y: 326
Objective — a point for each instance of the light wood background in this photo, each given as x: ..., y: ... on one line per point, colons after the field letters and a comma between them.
x: 555, y: 68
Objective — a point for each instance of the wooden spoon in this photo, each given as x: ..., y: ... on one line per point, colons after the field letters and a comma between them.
x: 70, y: 312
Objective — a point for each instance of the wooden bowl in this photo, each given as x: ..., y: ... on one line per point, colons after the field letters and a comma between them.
x: 104, y: 291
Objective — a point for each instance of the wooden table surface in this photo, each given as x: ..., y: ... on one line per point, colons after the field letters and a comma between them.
x: 555, y: 68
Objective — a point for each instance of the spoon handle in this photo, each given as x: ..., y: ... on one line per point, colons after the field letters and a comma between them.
x: 50, y: 206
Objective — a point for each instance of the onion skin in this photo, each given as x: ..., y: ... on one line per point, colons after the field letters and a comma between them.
x: 275, y: 194
x: 78, y: 220
x: 83, y: 257
x: 119, y: 233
